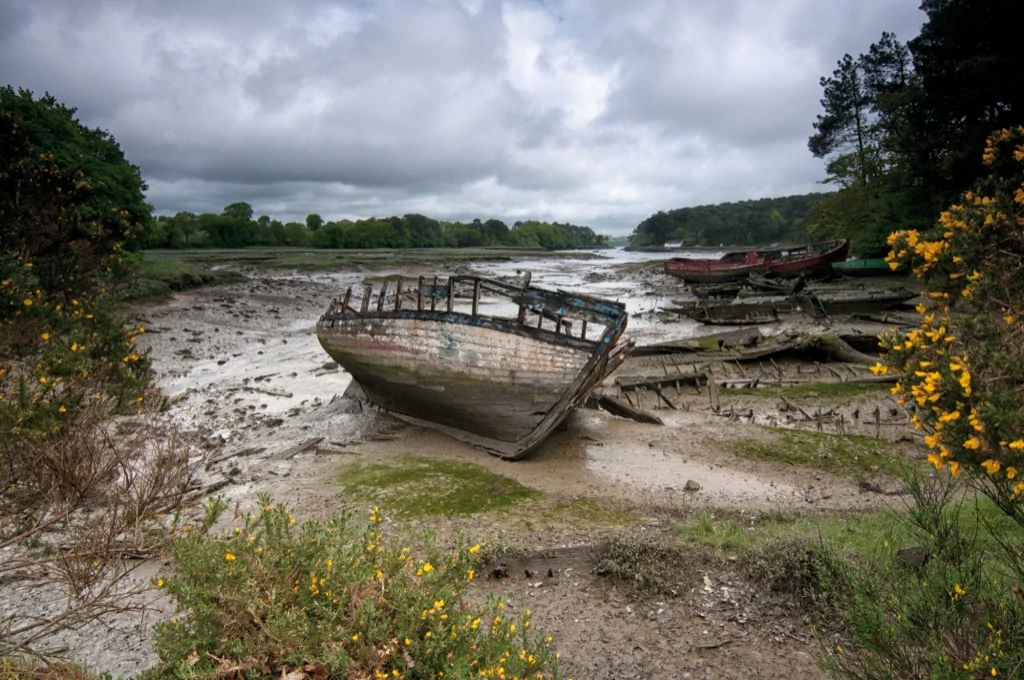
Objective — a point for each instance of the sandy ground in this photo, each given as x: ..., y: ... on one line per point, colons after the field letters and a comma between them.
x: 244, y: 371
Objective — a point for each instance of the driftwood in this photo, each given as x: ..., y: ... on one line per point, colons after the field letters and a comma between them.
x: 619, y: 408
x: 298, y: 448
x: 236, y: 454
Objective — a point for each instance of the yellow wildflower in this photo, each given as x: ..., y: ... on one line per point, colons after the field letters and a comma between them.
x: 991, y: 466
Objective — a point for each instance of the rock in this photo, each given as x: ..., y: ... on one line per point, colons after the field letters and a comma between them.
x: 692, y: 485
x: 914, y: 557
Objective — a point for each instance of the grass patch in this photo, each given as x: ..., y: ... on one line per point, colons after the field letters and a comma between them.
x: 813, y: 390
x: 159, y: 276
x: 844, y: 455
x: 587, y: 513
x: 413, y: 487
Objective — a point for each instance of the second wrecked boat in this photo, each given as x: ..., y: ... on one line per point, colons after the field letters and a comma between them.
x: 502, y: 382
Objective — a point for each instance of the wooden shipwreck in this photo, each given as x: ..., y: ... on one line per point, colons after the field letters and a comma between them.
x: 493, y: 364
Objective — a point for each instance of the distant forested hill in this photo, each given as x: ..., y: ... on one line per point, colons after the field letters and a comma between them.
x: 758, y: 222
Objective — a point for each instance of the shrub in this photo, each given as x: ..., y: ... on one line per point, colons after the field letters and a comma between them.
x: 963, y: 367
x: 336, y: 598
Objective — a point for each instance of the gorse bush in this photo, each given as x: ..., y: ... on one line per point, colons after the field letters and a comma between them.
x: 957, y: 609
x: 335, y: 598
x: 75, y: 495
x: 963, y: 367
x: 70, y: 205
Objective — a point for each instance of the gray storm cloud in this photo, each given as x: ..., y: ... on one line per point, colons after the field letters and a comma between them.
x: 599, y: 113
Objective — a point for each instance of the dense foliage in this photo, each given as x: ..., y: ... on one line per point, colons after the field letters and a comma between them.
x: 902, y: 122
x: 235, y: 228
x: 756, y: 222
x: 70, y: 206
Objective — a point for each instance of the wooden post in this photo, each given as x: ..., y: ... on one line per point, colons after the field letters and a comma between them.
x: 367, y: 294
x: 451, y: 294
x: 419, y: 296
x: 398, y: 294
x: 476, y: 297
x: 383, y: 294
x: 344, y: 304
x: 433, y: 300
x: 583, y: 333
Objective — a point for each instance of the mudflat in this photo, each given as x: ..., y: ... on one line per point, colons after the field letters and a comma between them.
x: 247, y: 382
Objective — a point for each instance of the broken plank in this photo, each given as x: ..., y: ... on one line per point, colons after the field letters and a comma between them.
x: 252, y: 451
x: 619, y: 408
x: 298, y: 448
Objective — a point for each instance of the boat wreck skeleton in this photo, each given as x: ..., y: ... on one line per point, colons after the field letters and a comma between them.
x: 431, y: 356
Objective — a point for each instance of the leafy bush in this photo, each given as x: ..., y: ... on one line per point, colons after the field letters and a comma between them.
x: 335, y: 598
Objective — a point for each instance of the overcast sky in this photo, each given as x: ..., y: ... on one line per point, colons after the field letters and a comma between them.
x: 597, y: 112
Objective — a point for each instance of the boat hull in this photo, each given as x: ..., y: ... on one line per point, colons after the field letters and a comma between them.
x: 698, y: 270
x: 811, y: 261
x: 865, y: 268
x: 487, y: 381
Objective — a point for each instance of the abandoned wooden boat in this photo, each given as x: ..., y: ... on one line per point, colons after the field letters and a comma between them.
x: 716, y: 291
x: 779, y: 286
x: 863, y: 301
x: 813, y: 260
x: 431, y: 355
x: 735, y: 314
x: 732, y: 266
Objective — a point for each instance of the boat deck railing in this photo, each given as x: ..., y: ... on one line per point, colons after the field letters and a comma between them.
x: 439, y: 295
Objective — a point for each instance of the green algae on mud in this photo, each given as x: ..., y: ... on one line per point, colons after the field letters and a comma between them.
x: 413, y: 487
x: 842, y: 455
x: 822, y: 390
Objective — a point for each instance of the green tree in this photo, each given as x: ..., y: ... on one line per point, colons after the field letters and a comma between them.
x: 242, y: 211
x: 188, y: 224
x: 967, y: 59
x: 314, y: 221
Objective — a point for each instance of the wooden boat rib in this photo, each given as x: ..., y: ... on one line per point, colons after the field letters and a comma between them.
x: 502, y: 383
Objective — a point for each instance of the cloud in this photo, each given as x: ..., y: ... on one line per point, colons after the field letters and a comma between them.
x: 597, y: 112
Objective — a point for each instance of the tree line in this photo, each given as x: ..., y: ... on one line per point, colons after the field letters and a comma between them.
x: 761, y: 221
x: 235, y: 227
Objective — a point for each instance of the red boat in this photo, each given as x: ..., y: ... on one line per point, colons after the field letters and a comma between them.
x: 810, y: 260
x: 816, y: 258
x: 732, y: 266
